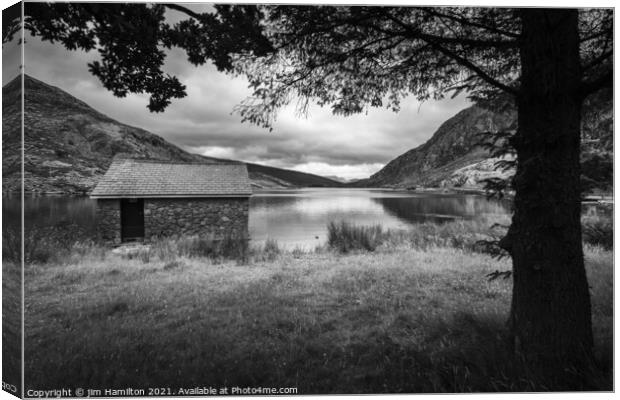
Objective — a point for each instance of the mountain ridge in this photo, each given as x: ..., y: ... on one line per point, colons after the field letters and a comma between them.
x: 453, y: 146
x: 454, y: 158
x: 69, y: 145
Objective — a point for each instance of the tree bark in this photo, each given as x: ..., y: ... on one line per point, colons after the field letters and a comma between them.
x: 550, y: 314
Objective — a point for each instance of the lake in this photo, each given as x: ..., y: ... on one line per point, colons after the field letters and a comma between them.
x: 300, y: 217
x: 292, y: 217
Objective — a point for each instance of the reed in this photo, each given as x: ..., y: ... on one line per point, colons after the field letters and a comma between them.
x: 346, y: 237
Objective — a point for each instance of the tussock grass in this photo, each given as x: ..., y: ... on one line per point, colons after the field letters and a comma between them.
x: 298, y: 252
x: 345, y: 237
x: 270, y: 250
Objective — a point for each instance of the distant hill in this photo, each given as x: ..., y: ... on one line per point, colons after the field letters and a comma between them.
x: 287, y: 177
x: 338, y: 178
x: 69, y: 145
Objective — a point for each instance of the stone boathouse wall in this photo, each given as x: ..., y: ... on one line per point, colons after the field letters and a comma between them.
x: 173, y: 217
x: 109, y: 220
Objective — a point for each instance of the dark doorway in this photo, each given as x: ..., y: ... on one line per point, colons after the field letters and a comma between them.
x: 132, y: 219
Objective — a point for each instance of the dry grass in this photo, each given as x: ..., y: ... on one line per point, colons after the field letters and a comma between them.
x: 401, y: 319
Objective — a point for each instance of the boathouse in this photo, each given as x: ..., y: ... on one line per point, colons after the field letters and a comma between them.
x: 142, y: 200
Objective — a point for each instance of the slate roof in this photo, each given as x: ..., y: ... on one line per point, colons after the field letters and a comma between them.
x: 154, y: 178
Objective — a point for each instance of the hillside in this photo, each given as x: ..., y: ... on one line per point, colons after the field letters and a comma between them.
x: 454, y: 146
x: 272, y: 177
x: 69, y: 145
x: 452, y: 157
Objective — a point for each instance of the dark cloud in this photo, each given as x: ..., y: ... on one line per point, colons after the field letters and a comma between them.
x: 202, y: 122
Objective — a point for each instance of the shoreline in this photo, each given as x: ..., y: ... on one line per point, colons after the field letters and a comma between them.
x: 605, y: 199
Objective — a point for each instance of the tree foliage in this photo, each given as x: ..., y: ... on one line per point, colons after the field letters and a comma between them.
x: 132, y: 41
x: 355, y: 57
x: 348, y: 57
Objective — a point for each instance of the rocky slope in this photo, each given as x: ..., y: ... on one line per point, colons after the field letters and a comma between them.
x: 453, y: 156
x: 453, y: 149
x: 69, y: 145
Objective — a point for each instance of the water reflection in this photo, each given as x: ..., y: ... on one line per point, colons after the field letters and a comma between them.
x: 44, y: 211
x: 437, y: 208
x: 300, y: 217
x: 292, y: 217
x: 302, y: 220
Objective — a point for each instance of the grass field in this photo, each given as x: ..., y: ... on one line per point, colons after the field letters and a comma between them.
x: 11, y: 327
x: 412, y: 316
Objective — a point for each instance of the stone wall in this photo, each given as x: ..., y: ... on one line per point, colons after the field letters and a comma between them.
x: 199, y: 216
x: 214, y: 217
x: 109, y: 220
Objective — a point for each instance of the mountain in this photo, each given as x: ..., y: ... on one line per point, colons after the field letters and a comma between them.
x: 338, y: 178
x: 453, y: 147
x: 453, y: 157
x: 69, y: 145
x: 264, y: 176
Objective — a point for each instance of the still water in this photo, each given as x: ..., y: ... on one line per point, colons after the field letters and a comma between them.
x: 292, y: 217
x: 300, y: 217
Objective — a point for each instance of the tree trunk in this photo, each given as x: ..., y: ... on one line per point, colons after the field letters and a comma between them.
x: 550, y: 313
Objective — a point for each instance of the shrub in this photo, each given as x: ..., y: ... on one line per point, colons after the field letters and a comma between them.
x: 346, y: 237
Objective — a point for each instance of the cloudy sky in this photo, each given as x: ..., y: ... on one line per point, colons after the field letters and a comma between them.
x: 203, y: 122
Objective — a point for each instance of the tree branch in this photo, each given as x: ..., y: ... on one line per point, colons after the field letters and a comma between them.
x: 595, y: 35
x: 594, y: 62
x: 476, y: 69
x: 471, y: 23
x: 336, y: 58
x: 417, y: 34
x: 605, y: 80
x: 454, y: 56
x: 184, y: 10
